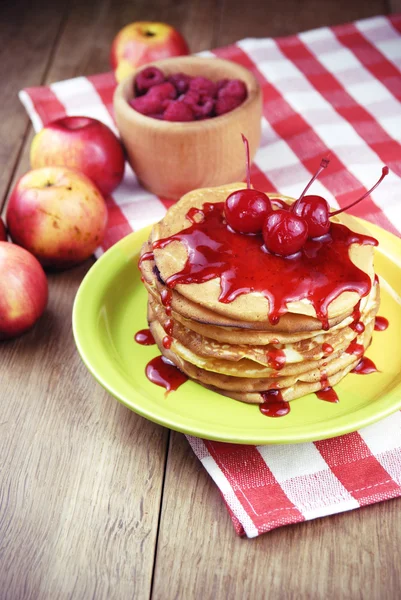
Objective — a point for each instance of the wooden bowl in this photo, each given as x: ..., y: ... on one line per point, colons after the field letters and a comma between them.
x: 172, y: 158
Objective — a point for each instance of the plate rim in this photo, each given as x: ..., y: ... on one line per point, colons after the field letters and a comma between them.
x: 133, y: 241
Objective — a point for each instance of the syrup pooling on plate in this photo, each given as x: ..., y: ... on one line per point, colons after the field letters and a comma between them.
x: 144, y: 337
x: 273, y: 404
x: 320, y: 272
x: 365, y: 367
x: 163, y: 373
x: 327, y: 394
x: 381, y: 323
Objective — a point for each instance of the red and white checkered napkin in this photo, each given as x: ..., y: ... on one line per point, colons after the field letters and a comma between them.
x: 333, y: 88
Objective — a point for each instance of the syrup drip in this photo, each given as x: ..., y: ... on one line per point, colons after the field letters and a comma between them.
x: 163, y: 373
x: 145, y: 256
x: 168, y: 326
x: 356, y: 313
x: 320, y: 272
x: 358, y: 327
x: 381, y: 324
x: 365, y: 367
x: 167, y: 341
x: 144, y: 337
x: 327, y: 349
x: 166, y: 296
x: 326, y: 393
x: 193, y: 212
x: 355, y: 348
x: 376, y: 279
x: 273, y: 404
x: 323, y: 380
x: 276, y: 359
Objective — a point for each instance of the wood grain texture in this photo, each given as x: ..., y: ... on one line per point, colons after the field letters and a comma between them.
x: 27, y: 41
x: 394, y: 6
x: 81, y: 477
x: 272, y: 19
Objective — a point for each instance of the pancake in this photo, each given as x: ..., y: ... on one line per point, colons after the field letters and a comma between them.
x: 285, y: 353
x: 301, y: 330
x: 292, y: 327
x: 250, y: 389
x: 249, y: 307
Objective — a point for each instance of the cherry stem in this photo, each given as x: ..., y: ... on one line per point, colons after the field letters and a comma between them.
x: 248, y: 162
x: 385, y: 171
x: 323, y: 164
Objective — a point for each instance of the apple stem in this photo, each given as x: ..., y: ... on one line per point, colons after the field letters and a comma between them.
x: 385, y: 171
x: 323, y: 164
x: 248, y: 161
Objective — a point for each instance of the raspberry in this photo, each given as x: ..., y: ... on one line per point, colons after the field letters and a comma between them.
x: 226, y: 104
x: 220, y: 84
x: 202, y: 106
x: 147, y: 105
x: 147, y: 78
x: 163, y: 91
x: 202, y: 85
x: 233, y: 87
x: 178, y: 111
x: 180, y: 81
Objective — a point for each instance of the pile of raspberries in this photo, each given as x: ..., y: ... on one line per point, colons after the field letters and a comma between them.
x: 180, y: 97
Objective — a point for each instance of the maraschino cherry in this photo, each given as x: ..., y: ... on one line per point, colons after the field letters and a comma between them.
x: 246, y: 210
x: 284, y: 233
x: 316, y: 210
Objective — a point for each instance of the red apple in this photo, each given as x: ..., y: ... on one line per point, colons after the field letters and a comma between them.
x: 84, y: 144
x: 24, y: 292
x: 58, y: 214
x: 3, y: 231
x: 143, y: 42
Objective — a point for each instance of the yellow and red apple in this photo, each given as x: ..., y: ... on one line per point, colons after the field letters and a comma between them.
x: 3, y: 231
x: 24, y: 291
x: 58, y: 214
x: 84, y: 144
x: 143, y: 42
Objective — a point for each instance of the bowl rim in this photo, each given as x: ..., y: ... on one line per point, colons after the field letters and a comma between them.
x: 122, y: 94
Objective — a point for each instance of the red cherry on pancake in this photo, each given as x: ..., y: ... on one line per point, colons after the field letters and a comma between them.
x: 246, y: 210
x: 284, y: 233
x: 315, y: 211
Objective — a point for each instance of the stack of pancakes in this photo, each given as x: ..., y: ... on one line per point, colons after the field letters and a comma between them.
x: 232, y: 347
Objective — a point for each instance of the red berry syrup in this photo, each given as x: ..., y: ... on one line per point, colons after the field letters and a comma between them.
x: 320, y: 272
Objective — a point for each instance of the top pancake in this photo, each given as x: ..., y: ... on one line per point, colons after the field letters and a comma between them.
x: 253, y: 306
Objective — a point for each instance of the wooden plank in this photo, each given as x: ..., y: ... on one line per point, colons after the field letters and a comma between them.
x: 262, y: 19
x: 353, y: 555
x: 394, y: 6
x: 28, y: 34
x: 81, y: 487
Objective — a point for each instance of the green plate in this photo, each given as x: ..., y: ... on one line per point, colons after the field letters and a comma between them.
x: 110, y: 307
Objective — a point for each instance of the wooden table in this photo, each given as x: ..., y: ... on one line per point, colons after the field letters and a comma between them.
x: 96, y: 502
